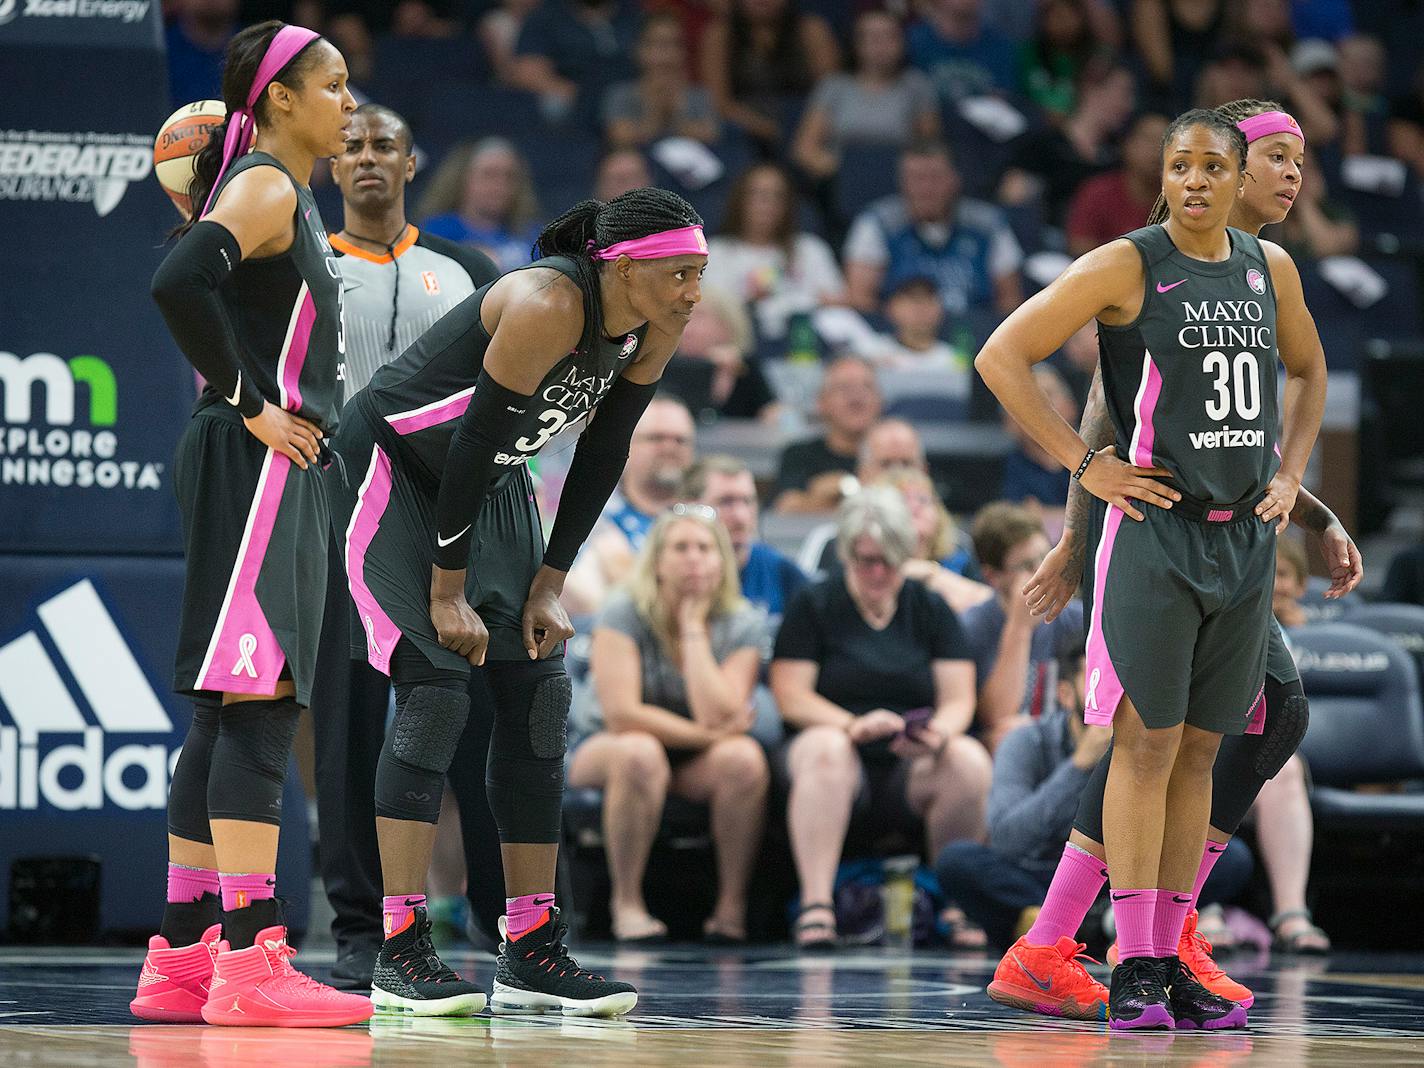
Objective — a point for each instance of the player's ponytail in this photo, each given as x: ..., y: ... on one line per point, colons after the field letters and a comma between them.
x: 592, y: 224
x: 1233, y: 111
x: 244, y: 54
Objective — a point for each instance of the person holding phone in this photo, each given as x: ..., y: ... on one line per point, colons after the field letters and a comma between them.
x: 875, y: 681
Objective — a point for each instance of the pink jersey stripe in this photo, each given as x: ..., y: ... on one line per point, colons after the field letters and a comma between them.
x: 1145, y: 408
x: 1104, y: 687
x: 371, y: 501
x: 441, y: 411
x: 1257, y: 723
x: 244, y: 655
x: 294, y: 350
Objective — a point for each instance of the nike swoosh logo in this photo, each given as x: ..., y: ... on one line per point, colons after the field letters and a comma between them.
x: 1216, y: 849
x: 236, y: 392
x: 442, y: 542
x: 1124, y: 897
x: 1036, y: 980
x: 410, y: 903
x: 1163, y: 289
x: 1179, y: 899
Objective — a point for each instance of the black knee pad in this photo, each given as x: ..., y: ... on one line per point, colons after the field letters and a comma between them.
x: 524, y: 775
x: 249, y: 764
x: 188, y: 792
x: 1286, y: 724
x: 419, y: 747
x: 1089, y: 818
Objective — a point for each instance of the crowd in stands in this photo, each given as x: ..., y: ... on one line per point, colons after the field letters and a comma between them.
x: 882, y: 182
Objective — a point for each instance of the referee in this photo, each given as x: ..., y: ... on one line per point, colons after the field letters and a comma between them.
x: 397, y: 282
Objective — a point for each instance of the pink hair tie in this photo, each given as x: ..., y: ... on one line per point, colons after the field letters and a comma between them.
x: 687, y: 241
x: 1271, y: 122
x: 285, y: 45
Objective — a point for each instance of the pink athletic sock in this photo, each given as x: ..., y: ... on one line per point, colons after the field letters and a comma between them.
x: 1167, y: 921
x: 1075, y: 887
x: 241, y: 890
x: 1133, y: 910
x: 398, y: 910
x: 526, y: 912
x: 190, y: 884
x: 1210, y: 853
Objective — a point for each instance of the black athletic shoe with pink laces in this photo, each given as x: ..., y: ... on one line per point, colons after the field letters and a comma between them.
x: 536, y: 974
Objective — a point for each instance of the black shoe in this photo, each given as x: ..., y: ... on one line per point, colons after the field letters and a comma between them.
x: 1194, y: 1007
x: 1138, y: 998
x: 410, y: 976
x: 535, y: 972
x: 353, y: 967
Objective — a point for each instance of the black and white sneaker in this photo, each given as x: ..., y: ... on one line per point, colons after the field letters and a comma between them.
x: 535, y: 974
x: 411, y: 977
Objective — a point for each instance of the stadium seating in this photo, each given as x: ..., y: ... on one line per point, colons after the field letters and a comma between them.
x: 1366, y: 727
x: 1401, y: 623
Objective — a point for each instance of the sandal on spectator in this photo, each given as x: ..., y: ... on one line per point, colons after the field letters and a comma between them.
x: 813, y: 934
x: 1306, y: 939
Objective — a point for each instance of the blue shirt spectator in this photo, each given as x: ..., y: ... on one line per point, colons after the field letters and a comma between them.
x: 965, y: 246
x: 482, y: 196
x: 769, y: 579
x: 962, y: 56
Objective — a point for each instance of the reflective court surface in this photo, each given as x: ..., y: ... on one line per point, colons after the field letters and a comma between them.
x: 760, y: 1006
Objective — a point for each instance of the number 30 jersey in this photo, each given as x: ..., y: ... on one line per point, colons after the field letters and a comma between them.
x: 422, y: 394
x: 1191, y: 383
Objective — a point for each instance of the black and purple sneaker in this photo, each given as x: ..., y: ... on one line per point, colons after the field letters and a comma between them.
x: 1194, y: 1007
x: 1138, y: 998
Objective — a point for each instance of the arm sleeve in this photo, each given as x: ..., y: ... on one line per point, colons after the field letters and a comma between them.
x: 487, y: 424
x: 598, y: 465
x: 185, y: 287
x: 1026, y: 811
x: 800, y: 636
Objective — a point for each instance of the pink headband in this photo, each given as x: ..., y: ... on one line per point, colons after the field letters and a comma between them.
x: 286, y: 43
x: 688, y: 241
x: 1272, y: 122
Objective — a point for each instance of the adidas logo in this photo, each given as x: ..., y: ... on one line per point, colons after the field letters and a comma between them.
x: 83, y: 773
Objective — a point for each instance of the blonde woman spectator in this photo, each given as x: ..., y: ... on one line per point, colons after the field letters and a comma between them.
x: 763, y: 258
x: 873, y: 675
x: 675, y: 659
x: 482, y: 195
x: 881, y: 102
x: 940, y: 560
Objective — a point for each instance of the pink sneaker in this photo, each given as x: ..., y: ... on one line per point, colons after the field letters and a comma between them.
x: 258, y: 987
x: 173, y: 985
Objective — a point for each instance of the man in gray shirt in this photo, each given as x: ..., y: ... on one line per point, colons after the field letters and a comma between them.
x: 397, y: 282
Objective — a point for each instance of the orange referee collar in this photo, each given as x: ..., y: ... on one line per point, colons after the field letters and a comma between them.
x: 347, y: 248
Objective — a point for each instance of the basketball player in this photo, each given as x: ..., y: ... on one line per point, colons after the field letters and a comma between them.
x: 252, y: 296
x: 1244, y: 763
x: 1170, y: 301
x: 397, y: 282
x: 447, y: 566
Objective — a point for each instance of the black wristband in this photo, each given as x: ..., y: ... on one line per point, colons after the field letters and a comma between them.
x: 1078, y: 474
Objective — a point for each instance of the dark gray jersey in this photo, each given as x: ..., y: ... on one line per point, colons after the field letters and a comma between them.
x: 424, y: 278
x: 1191, y: 383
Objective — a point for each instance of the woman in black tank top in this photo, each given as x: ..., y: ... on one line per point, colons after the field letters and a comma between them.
x: 1155, y: 818
x: 252, y: 297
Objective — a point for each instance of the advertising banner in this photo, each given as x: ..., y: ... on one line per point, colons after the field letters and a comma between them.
x: 93, y: 393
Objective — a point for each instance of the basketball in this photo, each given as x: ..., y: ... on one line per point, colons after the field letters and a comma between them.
x: 182, y: 137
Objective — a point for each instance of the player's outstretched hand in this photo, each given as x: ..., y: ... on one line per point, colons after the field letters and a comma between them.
x: 1276, y: 505
x: 1052, y: 586
x: 291, y: 435
x: 1342, y: 556
x: 1110, y: 479
x: 546, y: 624
x: 459, y: 628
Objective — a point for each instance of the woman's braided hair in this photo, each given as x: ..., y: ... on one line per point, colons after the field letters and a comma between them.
x: 594, y: 224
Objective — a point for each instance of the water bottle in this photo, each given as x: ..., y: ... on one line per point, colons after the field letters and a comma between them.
x: 897, y: 901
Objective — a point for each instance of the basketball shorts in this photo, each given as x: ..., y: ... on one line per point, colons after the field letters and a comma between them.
x: 1178, y: 614
x: 384, y: 519
x: 255, y: 534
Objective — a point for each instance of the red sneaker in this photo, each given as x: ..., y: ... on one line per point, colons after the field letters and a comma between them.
x: 1049, y: 980
x: 173, y: 985
x: 258, y: 987
x: 1195, y: 952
